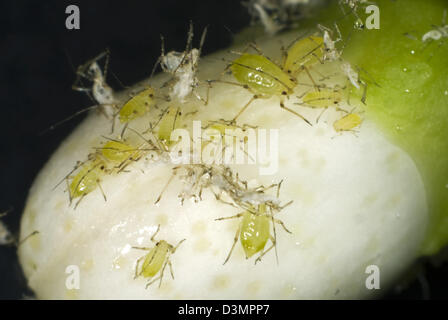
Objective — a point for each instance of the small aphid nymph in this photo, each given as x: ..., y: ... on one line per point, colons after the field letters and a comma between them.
x: 156, y: 260
x: 347, y: 123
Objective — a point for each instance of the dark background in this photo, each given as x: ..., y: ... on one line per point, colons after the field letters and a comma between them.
x: 37, y: 55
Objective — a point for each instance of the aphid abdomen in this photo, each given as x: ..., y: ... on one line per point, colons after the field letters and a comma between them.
x: 168, y: 124
x: 261, y: 75
x: 305, y: 52
x: 347, y: 123
x: 254, y: 233
x: 86, y: 180
x: 154, y: 259
x: 137, y: 106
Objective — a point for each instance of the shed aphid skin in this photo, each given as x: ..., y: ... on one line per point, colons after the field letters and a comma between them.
x: 254, y: 228
x: 101, y: 91
x: 183, y: 67
x: 270, y: 26
x: 264, y: 78
x: 137, y: 106
x: 331, y: 51
x: 156, y: 260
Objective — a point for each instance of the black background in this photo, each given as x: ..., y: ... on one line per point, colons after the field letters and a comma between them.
x: 36, y: 57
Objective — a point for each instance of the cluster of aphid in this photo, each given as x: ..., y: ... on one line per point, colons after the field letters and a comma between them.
x: 252, y: 71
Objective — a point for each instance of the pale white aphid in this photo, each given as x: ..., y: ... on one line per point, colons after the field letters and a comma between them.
x: 274, y: 15
x: 270, y: 26
x: 351, y: 74
x: 439, y: 32
x: 101, y: 91
x: 183, y: 66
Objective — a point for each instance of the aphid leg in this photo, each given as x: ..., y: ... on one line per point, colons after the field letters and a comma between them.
x: 235, y: 240
x: 280, y: 222
x: 177, y: 246
x: 311, y: 78
x: 70, y: 199
x: 204, y: 101
x: 152, y: 281
x: 155, y: 233
x: 171, y: 268
x: 239, y: 215
x: 295, y: 113
x: 320, y: 115
x: 267, y: 250
x: 162, y: 271
x: 244, y: 108
x: 79, y: 201
x: 165, y: 187
x: 136, y: 273
x: 101, y: 189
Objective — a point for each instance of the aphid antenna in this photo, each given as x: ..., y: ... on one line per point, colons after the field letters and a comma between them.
x: 6, y: 212
x: 57, y: 124
x: 79, y: 201
x: 77, y: 166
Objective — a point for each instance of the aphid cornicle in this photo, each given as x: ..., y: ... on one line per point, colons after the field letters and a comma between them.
x: 156, y: 260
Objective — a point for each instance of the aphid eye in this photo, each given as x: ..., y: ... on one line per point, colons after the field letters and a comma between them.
x: 284, y: 93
